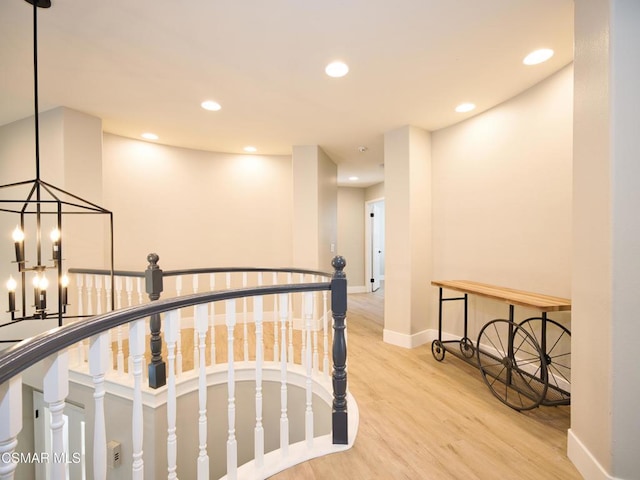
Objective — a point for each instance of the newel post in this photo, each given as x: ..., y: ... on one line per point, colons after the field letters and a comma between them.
x: 153, y: 285
x: 339, y: 312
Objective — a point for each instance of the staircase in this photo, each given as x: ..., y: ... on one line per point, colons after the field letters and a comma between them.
x: 238, y: 381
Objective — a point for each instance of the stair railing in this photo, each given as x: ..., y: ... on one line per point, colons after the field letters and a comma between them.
x: 51, y: 351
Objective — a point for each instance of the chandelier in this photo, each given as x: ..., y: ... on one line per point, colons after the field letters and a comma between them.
x: 39, y: 257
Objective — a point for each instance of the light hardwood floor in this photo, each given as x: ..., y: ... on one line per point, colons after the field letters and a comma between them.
x: 420, y: 419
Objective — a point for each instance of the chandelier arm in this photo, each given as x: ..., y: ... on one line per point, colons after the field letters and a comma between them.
x: 35, y: 86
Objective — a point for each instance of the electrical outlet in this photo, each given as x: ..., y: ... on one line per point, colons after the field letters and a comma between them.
x: 114, y: 454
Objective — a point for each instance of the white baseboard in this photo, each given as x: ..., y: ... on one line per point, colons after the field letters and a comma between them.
x: 407, y: 341
x: 415, y: 340
x: 586, y: 463
x: 357, y: 289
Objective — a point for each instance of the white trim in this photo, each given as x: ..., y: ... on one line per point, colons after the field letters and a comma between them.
x: 585, y: 462
x: 300, y: 452
x: 368, y: 242
x: 357, y: 289
x: 406, y: 341
x: 122, y: 385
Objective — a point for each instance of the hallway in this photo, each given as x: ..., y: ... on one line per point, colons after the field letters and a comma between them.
x: 420, y: 419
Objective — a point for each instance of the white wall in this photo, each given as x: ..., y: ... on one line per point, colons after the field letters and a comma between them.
x: 327, y: 211
x: 502, y: 198
x: 314, y: 203
x: 351, y: 218
x: 197, y: 208
x: 407, y: 156
x: 605, y: 420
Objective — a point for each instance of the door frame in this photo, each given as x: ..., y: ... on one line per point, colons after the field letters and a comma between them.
x: 368, y: 245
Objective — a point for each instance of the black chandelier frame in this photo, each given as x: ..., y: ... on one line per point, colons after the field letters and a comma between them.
x: 43, y: 199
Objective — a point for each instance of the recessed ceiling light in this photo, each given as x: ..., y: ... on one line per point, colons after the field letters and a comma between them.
x: 538, y: 56
x: 149, y: 136
x: 465, y: 107
x: 337, y: 69
x: 211, y: 105
x: 250, y: 149
x: 353, y: 179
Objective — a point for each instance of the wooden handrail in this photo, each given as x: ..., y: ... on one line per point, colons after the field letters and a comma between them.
x: 18, y: 358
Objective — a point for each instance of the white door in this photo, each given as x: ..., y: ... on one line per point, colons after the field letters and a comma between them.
x: 74, y: 439
x: 375, y: 260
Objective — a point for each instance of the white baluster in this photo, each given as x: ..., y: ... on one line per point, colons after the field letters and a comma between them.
x: 284, y: 420
x: 212, y: 286
x: 290, y: 354
x: 99, y: 292
x: 80, y: 284
x: 171, y: 335
x: 202, y: 323
x: 316, y: 359
x: 10, y: 424
x: 108, y: 292
x: 259, y: 430
x: 118, y: 292
x: 80, y: 347
x: 194, y: 283
x: 140, y: 291
x: 276, y: 345
x: 89, y: 287
x: 179, y: 342
x: 98, y: 283
x: 137, y: 332
x: 98, y: 364
x: 89, y: 283
x: 325, y: 335
x: 244, y: 320
x: 308, y: 316
x: 120, y: 354
x: 232, y: 446
x: 55, y: 391
x: 129, y: 289
x: 108, y: 306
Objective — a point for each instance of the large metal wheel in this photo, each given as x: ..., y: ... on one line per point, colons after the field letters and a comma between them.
x: 437, y: 350
x: 556, y: 347
x: 515, y: 371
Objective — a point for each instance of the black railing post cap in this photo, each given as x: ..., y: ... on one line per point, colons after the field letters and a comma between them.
x: 153, y: 258
x: 338, y: 263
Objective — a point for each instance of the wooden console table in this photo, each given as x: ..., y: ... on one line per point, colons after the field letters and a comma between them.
x: 524, y: 364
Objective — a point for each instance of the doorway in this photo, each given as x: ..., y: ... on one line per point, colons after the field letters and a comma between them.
x: 374, y: 239
x: 73, y: 438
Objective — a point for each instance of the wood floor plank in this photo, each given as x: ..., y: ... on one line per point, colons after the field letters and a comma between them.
x: 421, y: 419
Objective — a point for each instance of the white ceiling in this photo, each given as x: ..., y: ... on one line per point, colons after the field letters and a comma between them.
x: 146, y: 65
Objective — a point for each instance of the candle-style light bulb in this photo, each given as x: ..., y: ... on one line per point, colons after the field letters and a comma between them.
x: 18, y: 240
x: 54, y: 235
x: 36, y: 291
x: 64, y: 283
x: 18, y: 234
x: 11, y: 286
x: 41, y: 302
x: 55, y: 244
